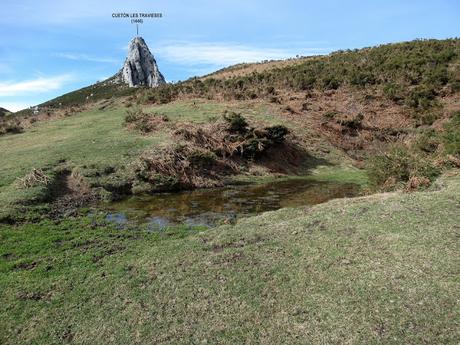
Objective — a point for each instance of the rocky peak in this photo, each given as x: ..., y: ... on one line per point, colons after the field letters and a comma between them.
x: 140, y: 67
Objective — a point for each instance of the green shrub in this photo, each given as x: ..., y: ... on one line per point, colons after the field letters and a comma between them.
x: 398, y: 165
x: 362, y: 78
x: 237, y: 123
x: 451, y: 137
x: 427, y: 141
x: 144, y: 122
x: 393, y: 91
x: 132, y: 115
x: 201, y: 159
x: 329, y: 115
x: 330, y: 83
x: 277, y: 133
x: 426, y: 118
x: 303, y: 82
x: 438, y: 76
x: 253, y: 147
x: 421, y: 98
x: 354, y: 123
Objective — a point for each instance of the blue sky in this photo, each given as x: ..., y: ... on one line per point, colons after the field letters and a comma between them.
x: 49, y: 47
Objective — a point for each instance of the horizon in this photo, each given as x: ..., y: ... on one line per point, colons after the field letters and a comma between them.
x: 51, y: 48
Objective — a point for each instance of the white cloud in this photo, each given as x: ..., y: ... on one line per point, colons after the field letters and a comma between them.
x: 14, y: 106
x: 193, y: 53
x: 85, y: 57
x: 38, y: 85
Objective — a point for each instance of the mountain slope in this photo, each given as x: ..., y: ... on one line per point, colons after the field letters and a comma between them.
x: 341, y: 108
x: 4, y: 111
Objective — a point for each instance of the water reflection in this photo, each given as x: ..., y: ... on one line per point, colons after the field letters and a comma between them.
x: 212, y: 206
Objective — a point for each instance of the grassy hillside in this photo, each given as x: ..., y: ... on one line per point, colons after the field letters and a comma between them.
x: 376, y: 269
x: 97, y: 146
x: 379, y: 269
x: 92, y: 139
x: 360, y: 101
x: 349, y: 104
x: 431, y: 63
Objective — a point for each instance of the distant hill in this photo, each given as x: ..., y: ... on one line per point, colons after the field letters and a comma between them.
x: 359, y: 100
x: 397, y: 70
x: 4, y: 111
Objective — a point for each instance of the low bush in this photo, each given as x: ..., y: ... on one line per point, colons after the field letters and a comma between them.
x: 330, y: 82
x: 426, y: 118
x: 362, y: 78
x: 421, y: 98
x: 175, y: 167
x: 236, y: 122
x: 354, y: 123
x: 202, y: 159
x: 427, y: 141
x: 393, y: 91
x: 451, y: 137
x: 143, y: 122
x: 397, y: 166
x: 11, y: 127
x: 277, y: 134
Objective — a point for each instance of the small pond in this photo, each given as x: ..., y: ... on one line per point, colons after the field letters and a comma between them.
x: 210, y: 207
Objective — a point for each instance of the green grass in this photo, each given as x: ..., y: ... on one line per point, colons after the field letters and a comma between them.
x: 331, y: 173
x: 89, y: 138
x: 96, y: 139
x: 376, y: 270
x: 202, y: 111
x: 199, y: 111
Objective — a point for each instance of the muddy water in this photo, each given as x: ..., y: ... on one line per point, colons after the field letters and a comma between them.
x: 210, y: 207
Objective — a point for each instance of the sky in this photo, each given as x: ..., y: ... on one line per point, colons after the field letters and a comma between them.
x: 48, y: 48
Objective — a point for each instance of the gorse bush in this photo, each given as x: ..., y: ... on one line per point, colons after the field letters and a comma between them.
x: 393, y: 91
x: 421, y: 98
x: 451, y: 137
x: 135, y: 118
x: 427, y: 141
x: 277, y: 133
x: 236, y: 122
x: 420, y: 161
x: 397, y: 166
x: 11, y: 127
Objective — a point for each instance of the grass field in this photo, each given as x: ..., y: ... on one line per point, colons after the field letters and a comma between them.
x: 377, y: 270
x: 96, y: 139
x: 89, y: 138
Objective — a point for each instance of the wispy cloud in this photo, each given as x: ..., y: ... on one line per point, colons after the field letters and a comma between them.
x: 38, y: 85
x: 85, y: 57
x: 193, y: 53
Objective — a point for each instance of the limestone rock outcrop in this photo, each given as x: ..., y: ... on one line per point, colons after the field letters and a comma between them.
x: 140, y: 67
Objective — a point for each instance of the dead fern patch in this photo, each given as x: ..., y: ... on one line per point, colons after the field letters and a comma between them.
x: 33, y: 179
